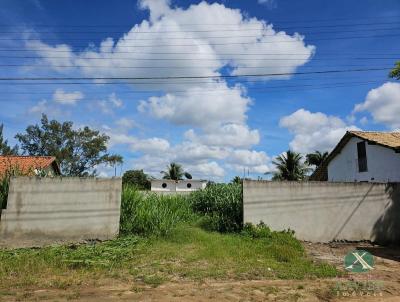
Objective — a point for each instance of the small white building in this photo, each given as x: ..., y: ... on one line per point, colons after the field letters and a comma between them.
x: 363, y: 156
x: 180, y: 186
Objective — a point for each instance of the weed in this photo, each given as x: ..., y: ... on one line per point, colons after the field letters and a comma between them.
x: 152, y: 214
x: 222, y: 206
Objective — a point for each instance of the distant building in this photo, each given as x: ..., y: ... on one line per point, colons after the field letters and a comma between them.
x: 181, y: 186
x: 363, y: 156
x: 30, y: 165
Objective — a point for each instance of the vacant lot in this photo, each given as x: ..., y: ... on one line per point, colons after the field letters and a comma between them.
x: 191, y: 265
x: 191, y: 248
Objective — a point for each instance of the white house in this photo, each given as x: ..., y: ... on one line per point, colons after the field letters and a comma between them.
x: 363, y: 156
x: 173, y: 186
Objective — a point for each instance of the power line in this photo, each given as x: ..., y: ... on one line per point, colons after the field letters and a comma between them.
x: 185, y: 91
x: 176, y: 67
x: 208, y: 37
x: 187, y: 77
x: 196, y: 59
x: 271, y: 89
x: 292, y: 40
x: 197, y: 54
x: 261, y: 27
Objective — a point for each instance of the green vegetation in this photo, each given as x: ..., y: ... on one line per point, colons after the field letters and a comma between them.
x: 161, y: 240
x: 78, y: 151
x: 290, y: 167
x: 186, y: 253
x: 137, y: 179
x: 175, y: 171
x: 221, y: 207
x: 151, y: 214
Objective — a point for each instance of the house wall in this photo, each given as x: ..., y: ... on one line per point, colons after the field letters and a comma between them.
x: 383, y: 164
x: 177, y: 186
x: 326, y: 211
x: 41, y: 211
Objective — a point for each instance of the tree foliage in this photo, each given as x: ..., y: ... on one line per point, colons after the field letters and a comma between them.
x: 290, y: 167
x: 316, y: 158
x: 136, y: 178
x: 175, y: 171
x: 78, y: 151
x: 236, y: 180
x: 395, y: 73
x: 5, y: 149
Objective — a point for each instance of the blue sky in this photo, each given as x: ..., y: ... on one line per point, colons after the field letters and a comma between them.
x: 216, y: 127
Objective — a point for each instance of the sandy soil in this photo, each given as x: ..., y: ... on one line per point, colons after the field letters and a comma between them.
x: 386, y: 273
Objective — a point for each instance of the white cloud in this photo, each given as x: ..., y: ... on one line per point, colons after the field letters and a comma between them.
x: 314, y: 131
x: 384, y: 104
x: 230, y: 135
x: 220, y: 105
x: 152, y: 145
x: 112, y: 102
x: 215, y: 111
x: 125, y: 123
x: 67, y: 98
x: 249, y: 160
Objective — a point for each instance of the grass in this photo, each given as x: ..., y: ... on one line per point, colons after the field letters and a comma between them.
x: 187, y: 252
x: 151, y: 214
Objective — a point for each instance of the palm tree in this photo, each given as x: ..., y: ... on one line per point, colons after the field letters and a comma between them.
x: 236, y: 180
x: 289, y: 167
x: 175, y: 172
x: 316, y: 158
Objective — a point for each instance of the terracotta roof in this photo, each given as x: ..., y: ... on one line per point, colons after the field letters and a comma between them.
x: 27, y: 164
x: 386, y: 139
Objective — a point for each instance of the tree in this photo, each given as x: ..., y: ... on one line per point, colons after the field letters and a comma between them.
x: 5, y: 149
x: 175, y: 172
x: 395, y: 73
x: 316, y: 158
x: 236, y: 180
x: 78, y: 151
x: 136, y: 178
x: 290, y: 167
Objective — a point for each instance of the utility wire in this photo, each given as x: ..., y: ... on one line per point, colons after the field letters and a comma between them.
x: 208, y: 37
x: 187, y: 77
x: 260, y: 27
x: 290, y: 40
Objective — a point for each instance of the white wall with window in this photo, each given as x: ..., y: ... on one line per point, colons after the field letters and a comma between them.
x: 360, y: 160
x: 167, y: 185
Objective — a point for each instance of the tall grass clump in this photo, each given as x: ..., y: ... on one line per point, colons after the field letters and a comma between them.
x: 12, y: 171
x: 152, y: 214
x: 221, y: 205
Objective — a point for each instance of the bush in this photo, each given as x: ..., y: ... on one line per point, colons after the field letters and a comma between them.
x: 136, y: 178
x: 152, y: 214
x: 222, y: 205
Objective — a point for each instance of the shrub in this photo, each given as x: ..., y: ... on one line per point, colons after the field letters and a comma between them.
x: 136, y: 178
x: 222, y: 205
x: 152, y: 214
x: 12, y: 171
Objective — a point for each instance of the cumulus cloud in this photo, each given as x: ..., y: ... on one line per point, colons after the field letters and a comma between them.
x: 249, y: 160
x: 177, y: 42
x: 108, y: 105
x: 231, y: 135
x: 67, y: 98
x: 384, y: 104
x: 314, y: 131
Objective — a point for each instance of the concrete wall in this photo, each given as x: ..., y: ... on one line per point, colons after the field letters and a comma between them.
x: 187, y: 185
x: 47, y: 210
x: 383, y: 164
x: 324, y: 211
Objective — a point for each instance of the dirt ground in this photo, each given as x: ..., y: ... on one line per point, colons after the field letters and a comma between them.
x: 386, y: 275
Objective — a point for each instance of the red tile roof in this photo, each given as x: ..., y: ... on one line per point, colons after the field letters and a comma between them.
x: 27, y: 164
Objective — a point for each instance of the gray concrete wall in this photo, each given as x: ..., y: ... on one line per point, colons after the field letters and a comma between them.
x: 325, y: 211
x: 48, y: 210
